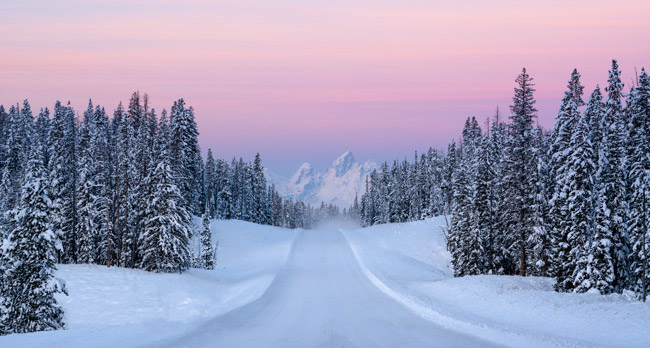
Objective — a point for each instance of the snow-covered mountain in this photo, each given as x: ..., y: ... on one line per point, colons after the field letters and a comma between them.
x: 339, y: 184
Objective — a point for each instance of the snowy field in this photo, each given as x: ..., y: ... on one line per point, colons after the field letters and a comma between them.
x: 383, y: 286
x: 118, y: 307
x: 508, y: 310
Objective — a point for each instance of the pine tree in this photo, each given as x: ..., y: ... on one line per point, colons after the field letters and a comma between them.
x: 165, y: 245
x: 498, y: 143
x: 206, y: 256
x: 465, y: 237
x: 611, y: 204
x: 541, y: 239
x: 559, y: 171
x: 183, y: 150
x: 447, y: 176
x: 210, y: 183
x: 6, y: 205
x: 226, y: 200
x: 101, y: 152
x: 42, y: 128
x: 258, y: 189
x: 121, y: 183
x: 87, y: 226
x: 594, y: 115
x: 62, y: 180
x: 639, y: 169
x: 483, y: 201
x: 29, y: 254
x: 18, y: 145
x: 4, y: 130
x: 579, y: 181
x: 521, y: 165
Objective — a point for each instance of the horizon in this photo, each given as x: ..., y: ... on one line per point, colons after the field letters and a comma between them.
x: 306, y: 82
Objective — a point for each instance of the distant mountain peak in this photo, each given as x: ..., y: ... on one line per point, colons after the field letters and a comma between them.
x: 304, y: 169
x: 339, y: 184
x: 344, y: 163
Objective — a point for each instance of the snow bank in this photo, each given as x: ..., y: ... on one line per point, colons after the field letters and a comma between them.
x: 409, y: 262
x: 118, y: 307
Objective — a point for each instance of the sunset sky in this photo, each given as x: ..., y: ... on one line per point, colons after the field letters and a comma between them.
x: 306, y: 80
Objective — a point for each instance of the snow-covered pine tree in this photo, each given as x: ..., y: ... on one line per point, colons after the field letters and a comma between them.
x: 465, y: 235
x: 21, y: 126
x: 100, y: 149
x: 62, y: 180
x: 594, y: 115
x: 383, y: 195
x: 184, y: 148
x: 427, y: 178
x: 134, y: 122
x: 87, y: 227
x: 576, y: 89
x: 4, y: 130
x: 565, y: 123
x: 42, y: 128
x: 210, y: 184
x: 414, y: 198
x: 449, y: 167
x: 483, y: 201
x: 6, y: 204
x: 405, y: 185
x: 639, y: 177
x: 165, y: 240
x: 520, y: 166
x: 460, y: 222
x: 121, y: 148
x: 274, y: 205
x: 611, y: 190
x: 144, y: 126
x: 93, y: 184
x: 540, y: 239
x: 226, y: 181
x: 259, y: 192
x: 29, y: 253
x: 394, y: 194
x: 561, y: 168
x: 498, y: 142
x: 198, y: 191
x: 580, y: 171
x: 206, y: 255
x: 245, y: 191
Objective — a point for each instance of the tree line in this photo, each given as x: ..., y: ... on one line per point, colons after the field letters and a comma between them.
x: 568, y: 203
x: 117, y: 191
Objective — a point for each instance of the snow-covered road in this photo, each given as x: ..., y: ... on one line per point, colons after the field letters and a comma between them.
x: 321, y: 298
x: 388, y: 285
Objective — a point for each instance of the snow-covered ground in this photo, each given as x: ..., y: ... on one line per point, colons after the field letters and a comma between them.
x: 409, y: 263
x: 118, y: 307
x: 384, y: 286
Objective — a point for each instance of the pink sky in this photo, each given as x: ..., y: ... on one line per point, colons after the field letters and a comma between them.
x: 306, y: 80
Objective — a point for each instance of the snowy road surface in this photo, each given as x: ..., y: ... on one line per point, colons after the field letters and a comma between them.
x: 321, y: 298
x: 388, y: 285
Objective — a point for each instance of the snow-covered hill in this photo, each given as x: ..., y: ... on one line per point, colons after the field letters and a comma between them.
x: 339, y: 184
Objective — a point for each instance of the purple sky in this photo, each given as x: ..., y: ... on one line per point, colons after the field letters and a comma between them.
x: 306, y: 81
